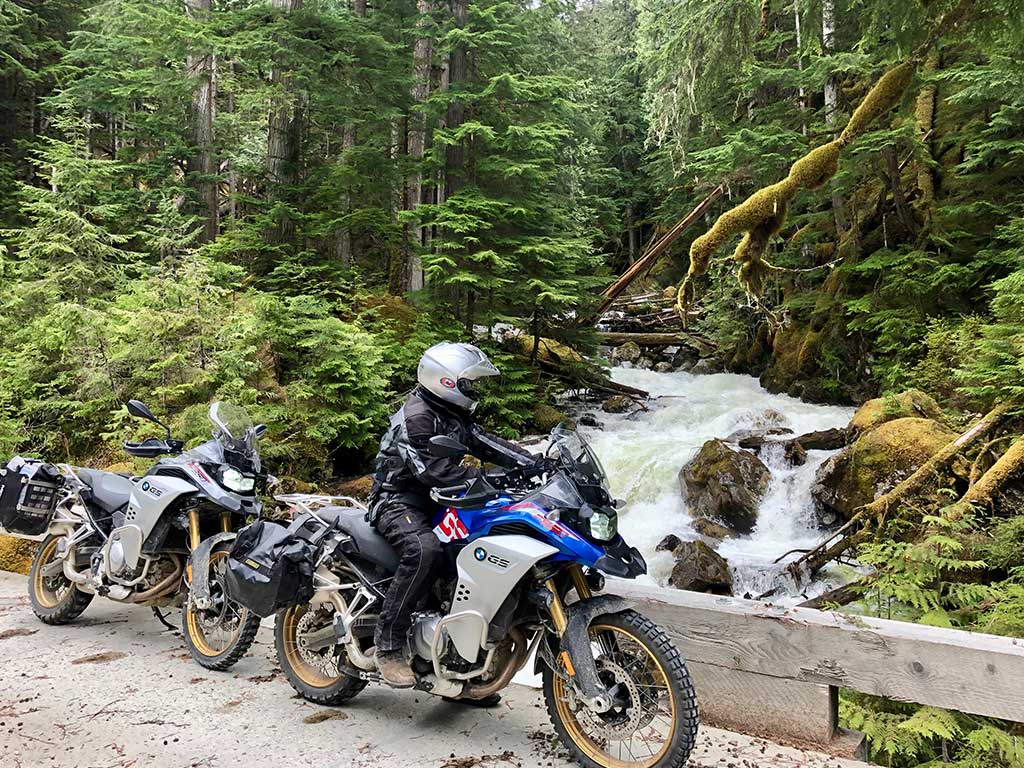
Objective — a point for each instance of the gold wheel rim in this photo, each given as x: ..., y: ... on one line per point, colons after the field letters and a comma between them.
x: 306, y: 672
x: 45, y: 596
x: 195, y: 626
x: 582, y: 740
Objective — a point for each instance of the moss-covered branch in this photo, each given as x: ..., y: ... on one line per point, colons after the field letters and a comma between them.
x: 761, y: 216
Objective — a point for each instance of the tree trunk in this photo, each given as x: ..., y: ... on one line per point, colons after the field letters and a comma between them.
x: 343, y: 236
x: 828, y: 32
x: 282, y: 134
x: 415, y: 143
x: 201, y: 166
x: 455, y: 159
x: 802, y: 98
x: 924, y: 114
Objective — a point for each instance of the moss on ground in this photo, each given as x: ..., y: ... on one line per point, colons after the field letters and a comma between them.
x: 16, y: 554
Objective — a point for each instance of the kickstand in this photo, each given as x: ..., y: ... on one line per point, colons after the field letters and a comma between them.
x: 163, y: 620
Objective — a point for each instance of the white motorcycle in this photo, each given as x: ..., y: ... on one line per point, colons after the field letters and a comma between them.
x: 158, y: 540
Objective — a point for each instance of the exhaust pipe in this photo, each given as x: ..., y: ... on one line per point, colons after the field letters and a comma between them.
x: 513, y: 665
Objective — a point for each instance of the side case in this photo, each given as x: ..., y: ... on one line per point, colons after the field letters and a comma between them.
x: 28, y: 496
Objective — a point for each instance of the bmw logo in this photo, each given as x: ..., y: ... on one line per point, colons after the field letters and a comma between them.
x: 145, y: 486
x: 480, y: 553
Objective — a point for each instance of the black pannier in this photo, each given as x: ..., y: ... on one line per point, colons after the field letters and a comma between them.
x: 271, y: 566
x: 28, y: 495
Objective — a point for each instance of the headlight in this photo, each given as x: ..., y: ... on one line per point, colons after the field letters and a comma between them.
x: 236, y: 481
x: 603, y: 526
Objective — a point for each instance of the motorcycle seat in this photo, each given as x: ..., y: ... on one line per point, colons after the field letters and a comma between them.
x: 110, y: 492
x: 370, y: 544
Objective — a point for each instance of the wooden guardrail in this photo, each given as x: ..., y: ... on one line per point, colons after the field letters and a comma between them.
x: 775, y: 671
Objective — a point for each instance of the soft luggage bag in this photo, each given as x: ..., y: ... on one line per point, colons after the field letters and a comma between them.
x: 271, y: 566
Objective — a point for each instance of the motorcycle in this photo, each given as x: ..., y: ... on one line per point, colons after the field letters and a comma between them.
x: 157, y: 540
x: 525, y: 562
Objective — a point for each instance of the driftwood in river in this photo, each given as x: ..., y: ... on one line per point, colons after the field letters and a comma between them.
x: 670, y: 339
x: 566, y: 363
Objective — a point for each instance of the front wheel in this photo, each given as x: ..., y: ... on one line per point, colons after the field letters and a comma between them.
x: 653, y: 721
x: 55, y: 599
x: 220, y: 635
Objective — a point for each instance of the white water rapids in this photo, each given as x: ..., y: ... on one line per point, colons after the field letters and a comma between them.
x: 643, y: 453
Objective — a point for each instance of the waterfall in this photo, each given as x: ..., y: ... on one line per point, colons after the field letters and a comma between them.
x: 644, y: 451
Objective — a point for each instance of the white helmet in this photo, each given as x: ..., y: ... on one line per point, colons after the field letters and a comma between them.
x: 449, y: 371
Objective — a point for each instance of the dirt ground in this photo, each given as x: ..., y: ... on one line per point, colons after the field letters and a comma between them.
x: 118, y: 690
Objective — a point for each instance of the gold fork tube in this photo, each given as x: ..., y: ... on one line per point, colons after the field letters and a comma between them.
x: 225, y: 522
x: 193, y: 529
x: 557, y: 609
x: 580, y: 582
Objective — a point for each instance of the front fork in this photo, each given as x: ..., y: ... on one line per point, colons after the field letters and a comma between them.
x: 574, y: 641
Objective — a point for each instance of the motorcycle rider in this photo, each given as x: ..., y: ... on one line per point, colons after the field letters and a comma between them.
x: 405, y: 471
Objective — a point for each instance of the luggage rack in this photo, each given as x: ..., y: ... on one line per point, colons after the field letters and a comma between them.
x: 311, y: 502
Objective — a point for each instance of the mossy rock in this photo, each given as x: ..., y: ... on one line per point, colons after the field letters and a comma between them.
x: 724, y: 485
x: 699, y: 568
x: 629, y: 352
x: 912, y: 403
x: 16, y: 554
x: 546, y: 417
x: 357, y: 488
x: 616, y: 404
x: 875, y: 464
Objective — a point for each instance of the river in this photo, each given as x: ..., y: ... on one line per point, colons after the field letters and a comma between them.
x: 644, y: 451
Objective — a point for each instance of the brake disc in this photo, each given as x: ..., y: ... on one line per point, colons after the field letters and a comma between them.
x: 323, y: 660
x: 618, y: 723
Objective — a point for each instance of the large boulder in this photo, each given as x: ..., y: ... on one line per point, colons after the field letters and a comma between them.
x: 547, y: 417
x: 725, y: 485
x: 699, y: 568
x: 712, y: 530
x: 912, y: 403
x: 627, y: 353
x: 875, y: 464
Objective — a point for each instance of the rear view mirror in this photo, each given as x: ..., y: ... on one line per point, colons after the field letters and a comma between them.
x: 446, y: 447
x: 259, y: 430
x: 138, y: 409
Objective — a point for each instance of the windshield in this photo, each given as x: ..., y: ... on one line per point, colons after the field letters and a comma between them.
x: 234, y: 431
x: 577, y: 457
x: 559, y: 491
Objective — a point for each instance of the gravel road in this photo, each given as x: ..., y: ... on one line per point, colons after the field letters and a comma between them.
x: 118, y: 690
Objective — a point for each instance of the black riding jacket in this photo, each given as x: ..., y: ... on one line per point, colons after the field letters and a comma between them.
x: 405, y: 470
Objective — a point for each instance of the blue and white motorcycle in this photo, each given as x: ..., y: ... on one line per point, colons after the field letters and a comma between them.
x: 526, y: 560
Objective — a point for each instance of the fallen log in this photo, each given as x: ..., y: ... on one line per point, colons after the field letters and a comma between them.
x: 1008, y: 466
x: 566, y: 363
x: 675, y: 338
x: 653, y: 252
x: 848, y: 593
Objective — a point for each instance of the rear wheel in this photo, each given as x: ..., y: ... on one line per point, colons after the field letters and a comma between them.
x: 55, y: 598
x: 653, y: 721
x: 316, y: 674
x: 219, y: 636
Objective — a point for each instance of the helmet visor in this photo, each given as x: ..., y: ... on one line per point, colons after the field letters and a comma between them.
x: 475, y: 389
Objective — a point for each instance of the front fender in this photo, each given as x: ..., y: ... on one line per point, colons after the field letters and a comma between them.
x: 199, y: 589
x: 576, y: 643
